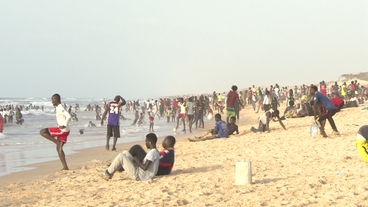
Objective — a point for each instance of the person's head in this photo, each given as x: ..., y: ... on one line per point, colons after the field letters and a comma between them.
x: 117, y: 98
x: 217, y: 117
x: 151, y: 140
x: 234, y: 88
x: 169, y: 142
x: 55, y: 99
x: 313, y: 90
x: 352, y: 82
x: 267, y: 93
x: 190, y: 99
x: 291, y: 103
x: 232, y: 120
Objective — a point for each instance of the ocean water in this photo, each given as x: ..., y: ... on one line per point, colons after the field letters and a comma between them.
x: 22, y: 145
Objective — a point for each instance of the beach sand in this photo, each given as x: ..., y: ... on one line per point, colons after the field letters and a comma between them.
x: 289, y: 168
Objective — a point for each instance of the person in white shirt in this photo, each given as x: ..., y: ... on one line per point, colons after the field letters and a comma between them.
x: 129, y: 161
x: 61, y: 132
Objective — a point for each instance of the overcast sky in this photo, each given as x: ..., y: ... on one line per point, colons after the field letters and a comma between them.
x: 142, y: 49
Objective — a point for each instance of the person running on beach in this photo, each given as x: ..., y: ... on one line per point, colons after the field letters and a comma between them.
x: 327, y: 113
x: 232, y: 96
x: 113, y: 111
x: 61, y: 132
x: 264, y: 121
x: 220, y: 131
x: 130, y: 161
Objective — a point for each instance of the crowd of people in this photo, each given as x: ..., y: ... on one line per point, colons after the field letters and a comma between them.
x: 319, y: 101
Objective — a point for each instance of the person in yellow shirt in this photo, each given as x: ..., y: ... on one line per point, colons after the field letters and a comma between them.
x: 343, y: 90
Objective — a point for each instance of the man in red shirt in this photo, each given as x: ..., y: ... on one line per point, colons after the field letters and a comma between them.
x: 230, y: 102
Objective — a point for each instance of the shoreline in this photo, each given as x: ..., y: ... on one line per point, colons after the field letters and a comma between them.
x: 83, y: 156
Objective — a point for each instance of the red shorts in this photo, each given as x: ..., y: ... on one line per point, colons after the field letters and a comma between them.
x: 56, y: 132
x: 182, y: 115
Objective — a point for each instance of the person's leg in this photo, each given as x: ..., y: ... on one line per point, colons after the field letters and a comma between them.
x: 116, y: 136
x: 177, y: 120
x: 320, y: 119
x: 45, y: 133
x: 59, y: 148
x: 108, y: 135
x: 138, y: 151
x: 332, y: 122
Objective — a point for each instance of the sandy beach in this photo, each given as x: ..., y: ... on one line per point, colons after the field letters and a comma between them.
x: 289, y: 168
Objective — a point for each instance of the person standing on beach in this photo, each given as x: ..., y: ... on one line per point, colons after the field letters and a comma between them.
x: 182, y: 106
x: 190, y: 107
x: 327, y: 113
x: 113, y: 111
x: 232, y: 96
x: 61, y: 132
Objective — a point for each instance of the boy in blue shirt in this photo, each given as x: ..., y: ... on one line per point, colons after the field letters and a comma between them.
x: 327, y: 113
x: 220, y: 131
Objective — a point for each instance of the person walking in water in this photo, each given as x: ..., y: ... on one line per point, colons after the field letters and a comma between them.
x: 113, y: 111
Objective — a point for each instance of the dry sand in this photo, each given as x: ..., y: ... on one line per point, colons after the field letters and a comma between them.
x: 289, y: 168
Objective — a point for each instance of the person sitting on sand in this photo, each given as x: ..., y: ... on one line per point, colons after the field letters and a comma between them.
x: 290, y: 111
x: 352, y: 102
x: 232, y: 127
x: 129, y: 161
x: 220, y: 131
x: 361, y: 142
x: 167, y: 156
x: 264, y: 121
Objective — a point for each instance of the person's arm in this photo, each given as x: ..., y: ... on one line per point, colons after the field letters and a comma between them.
x: 282, y: 124
x: 104, y: 114
x: 315, y: 110
x: 123, y: 102
x: 237, y: 130
x: 141, y: 165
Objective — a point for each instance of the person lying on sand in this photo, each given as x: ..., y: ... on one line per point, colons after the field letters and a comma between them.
x: 220, y: 131
x: 264, y: 121
x: 129, y: 161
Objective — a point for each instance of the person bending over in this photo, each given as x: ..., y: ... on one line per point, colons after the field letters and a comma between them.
x: 264, y: 121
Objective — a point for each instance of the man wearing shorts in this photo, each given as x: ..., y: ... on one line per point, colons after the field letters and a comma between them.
x: 61, y: 132
x: 113, y: 120
x: 182, y: 106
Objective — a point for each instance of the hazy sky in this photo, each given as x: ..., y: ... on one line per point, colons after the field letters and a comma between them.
x: 142, y: 49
